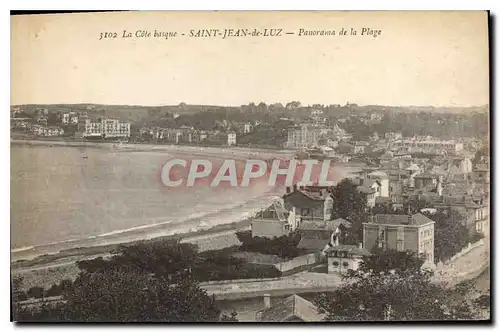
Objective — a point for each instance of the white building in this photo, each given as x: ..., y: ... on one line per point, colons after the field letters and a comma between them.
x: 104, y: 127
x: 247, y: 128
x: 383, y: 179
x: 306, y: 136
x: 429, y: 144
x: 69, y: 118
x: 359, y: 147
x: 231, y: 138
x: 342, y: 258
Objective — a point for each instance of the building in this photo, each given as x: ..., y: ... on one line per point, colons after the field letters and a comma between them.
x: 290, y: 309
x: 231, y: 138
x: 275, y: 221
x: 104, y: 127
x: 316, y: 235
x: 392, y: 136
x: 342, y: 258
x: 69, y: 118
x: 383, y: 180
x: 247, y: 128
x: 426, y: 180
x: 427, y: 144
x: 370, y: 188
x: 303, y: 137
x: 339, y: 134
x: 309, y: 203
x: 400, y: 232
x: 481, y: 173
x: 359, y: 147
x: 46, y: 131
x: 472, y: 214
x: 464, y: 164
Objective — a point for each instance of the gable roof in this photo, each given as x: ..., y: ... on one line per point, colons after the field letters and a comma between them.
x: 290, y: 307
x: 306, y: 194
x: 312, y: 244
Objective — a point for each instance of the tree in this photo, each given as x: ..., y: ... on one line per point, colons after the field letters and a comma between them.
x: 145, y: 282
x: 383, y: 261
x: 401, y: 290
x: 262, y: 107
x: 168, y: 259
x: 349, y: 204
x: 17, y: 293
x: 129, y: 295
x: 35, y: 292
x: 293, y: 105
x: 450, y: 235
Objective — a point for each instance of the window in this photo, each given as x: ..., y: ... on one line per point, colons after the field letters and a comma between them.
x: 345, y: 264
x: 335, y: 264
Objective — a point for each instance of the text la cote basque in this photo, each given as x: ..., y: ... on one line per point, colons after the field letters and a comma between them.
x: 200, y: 33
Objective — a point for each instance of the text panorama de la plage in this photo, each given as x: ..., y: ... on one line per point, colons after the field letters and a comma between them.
x: 237, y: 33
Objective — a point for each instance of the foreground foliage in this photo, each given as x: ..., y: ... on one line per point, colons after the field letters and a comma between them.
x: 153, y: 282
x: 393, y: 286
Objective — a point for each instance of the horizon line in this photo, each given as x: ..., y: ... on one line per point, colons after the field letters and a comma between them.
x: 257, y: 103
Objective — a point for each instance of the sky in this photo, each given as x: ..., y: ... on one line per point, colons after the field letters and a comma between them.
x: 419, y: 58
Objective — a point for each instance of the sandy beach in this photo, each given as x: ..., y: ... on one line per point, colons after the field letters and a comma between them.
x: 49, y: 269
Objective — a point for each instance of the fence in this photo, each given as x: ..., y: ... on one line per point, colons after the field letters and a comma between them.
x: 236, y: 281
x: 300, y: 262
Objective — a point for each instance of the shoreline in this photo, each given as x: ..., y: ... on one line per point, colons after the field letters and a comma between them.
x: 67, y: 256
x: 150, y: 147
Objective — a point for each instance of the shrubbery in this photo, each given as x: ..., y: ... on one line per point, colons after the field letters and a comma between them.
x: 283, y: 246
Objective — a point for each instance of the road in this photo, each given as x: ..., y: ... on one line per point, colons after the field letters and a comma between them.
x: 302, y: 282
x: 468, y: 266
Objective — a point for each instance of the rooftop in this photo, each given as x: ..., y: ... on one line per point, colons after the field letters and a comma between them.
x: 289, y: 308
x: 417, y: 219
x: 312, y: 244
x: 349, y: 249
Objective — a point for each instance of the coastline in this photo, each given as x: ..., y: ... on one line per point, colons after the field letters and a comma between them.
x: 224, y: 151
x: 52, y: 268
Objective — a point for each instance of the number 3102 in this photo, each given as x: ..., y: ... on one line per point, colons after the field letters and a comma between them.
x: 107, y: 35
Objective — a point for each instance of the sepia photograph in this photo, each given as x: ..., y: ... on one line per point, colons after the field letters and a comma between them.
x: 250, y: 167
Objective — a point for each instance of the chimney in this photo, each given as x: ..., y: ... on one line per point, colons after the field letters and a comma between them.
x: 267, y: 301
